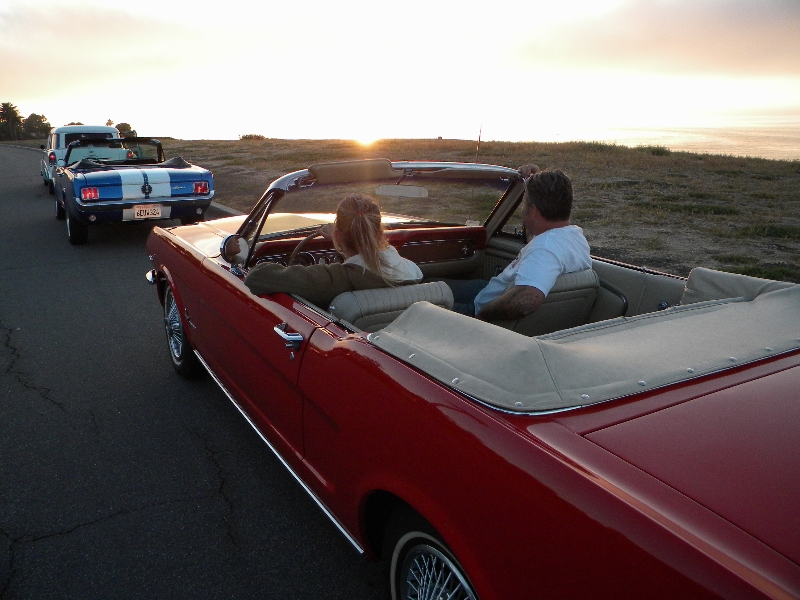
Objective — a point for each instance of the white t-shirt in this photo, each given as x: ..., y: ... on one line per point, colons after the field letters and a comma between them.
x: 396, y: 268
x: 540, y: 262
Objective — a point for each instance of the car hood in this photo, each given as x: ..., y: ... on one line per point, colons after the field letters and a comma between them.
x: 208, y: 235
x: 146, y: 183
x: 735, y: 451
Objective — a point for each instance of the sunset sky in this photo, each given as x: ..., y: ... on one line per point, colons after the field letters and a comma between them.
x: 520, y: 70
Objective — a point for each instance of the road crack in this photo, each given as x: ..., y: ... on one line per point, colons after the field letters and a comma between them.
x: 213, y: 456
x: 18, y: 375
x: 5, y: 583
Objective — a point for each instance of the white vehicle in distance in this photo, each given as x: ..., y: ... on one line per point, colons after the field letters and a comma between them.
x: 59, y: 139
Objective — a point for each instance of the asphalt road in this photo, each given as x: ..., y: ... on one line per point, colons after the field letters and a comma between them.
x: 119, y: 479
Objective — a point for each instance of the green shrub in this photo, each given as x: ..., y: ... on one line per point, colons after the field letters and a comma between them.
x: 688, y: 208
x: 596, y: 146
x: 701, y: 195
x: 655, y: 150
x: 735, y: 259
x: 786, y: 232
x: 653, y: 243
x: 775, y: 272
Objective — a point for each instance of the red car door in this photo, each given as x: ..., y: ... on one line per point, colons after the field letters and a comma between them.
x: 255, y: 348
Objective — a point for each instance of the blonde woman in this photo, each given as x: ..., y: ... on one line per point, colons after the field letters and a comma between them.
x: 370, y: 261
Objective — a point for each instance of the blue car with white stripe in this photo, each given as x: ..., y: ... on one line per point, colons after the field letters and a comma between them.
x: 105, y: 180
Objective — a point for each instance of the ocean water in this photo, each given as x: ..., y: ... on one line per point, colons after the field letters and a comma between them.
x: 765, y: 139
x: 782, y: 143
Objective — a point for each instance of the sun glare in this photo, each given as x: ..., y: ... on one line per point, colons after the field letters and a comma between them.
x: 366, y: 140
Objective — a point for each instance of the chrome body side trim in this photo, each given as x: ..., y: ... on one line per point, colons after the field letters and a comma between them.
x: 302, y: 483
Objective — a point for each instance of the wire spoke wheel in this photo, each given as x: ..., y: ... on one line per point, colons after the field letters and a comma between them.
x: 427, y: 574
x: 420, y: 565
x: 173, y: 326
x: 180, y: 350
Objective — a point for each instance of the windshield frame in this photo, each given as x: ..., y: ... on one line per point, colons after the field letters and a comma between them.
x: 129, y: 143
x: 253, y: 225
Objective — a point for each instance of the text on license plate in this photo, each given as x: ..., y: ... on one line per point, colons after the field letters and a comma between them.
x: 146, y: 211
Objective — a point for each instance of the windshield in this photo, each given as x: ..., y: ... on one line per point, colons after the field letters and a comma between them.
x: 417, y: 200
x: 410, y: 195
x: 144, y: 148
x: 116, y: 151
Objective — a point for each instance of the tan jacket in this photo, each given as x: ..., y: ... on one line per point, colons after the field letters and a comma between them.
x: 318, y: 284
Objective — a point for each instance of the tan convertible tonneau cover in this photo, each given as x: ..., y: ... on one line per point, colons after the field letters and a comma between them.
x: 596, y: 362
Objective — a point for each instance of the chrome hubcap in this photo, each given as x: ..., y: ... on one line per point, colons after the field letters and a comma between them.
x: 172, y: 323
x: 430, y: 575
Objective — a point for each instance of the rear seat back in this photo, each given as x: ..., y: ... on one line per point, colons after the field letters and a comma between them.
x: 371, y: 310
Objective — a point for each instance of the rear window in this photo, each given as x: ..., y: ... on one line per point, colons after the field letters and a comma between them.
x: 144, y: 149
x: 71, y: 137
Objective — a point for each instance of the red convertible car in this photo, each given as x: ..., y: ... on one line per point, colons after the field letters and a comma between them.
x: 636, y: 437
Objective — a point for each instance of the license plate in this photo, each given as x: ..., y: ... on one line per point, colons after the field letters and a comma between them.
x: 147, y: 211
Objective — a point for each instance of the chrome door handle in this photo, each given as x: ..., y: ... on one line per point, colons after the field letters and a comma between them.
x: 293, y: 340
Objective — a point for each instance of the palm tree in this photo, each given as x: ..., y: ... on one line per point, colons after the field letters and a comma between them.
x: 9, y: 114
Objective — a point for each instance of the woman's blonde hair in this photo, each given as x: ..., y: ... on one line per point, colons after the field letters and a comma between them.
x: 358, y: 220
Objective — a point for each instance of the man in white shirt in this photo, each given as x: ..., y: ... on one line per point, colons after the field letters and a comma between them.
x: 557, y: 247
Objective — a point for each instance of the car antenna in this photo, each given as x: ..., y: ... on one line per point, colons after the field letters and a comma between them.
x: 478, y: 147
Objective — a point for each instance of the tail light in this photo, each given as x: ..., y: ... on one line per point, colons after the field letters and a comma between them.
x: 200, y: 187
x: 51, y: 158
x: 90, y: 193
x: 130, y: 154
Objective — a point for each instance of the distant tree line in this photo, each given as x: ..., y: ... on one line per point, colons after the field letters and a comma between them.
x: 125, y: 130
x: 13, y: 126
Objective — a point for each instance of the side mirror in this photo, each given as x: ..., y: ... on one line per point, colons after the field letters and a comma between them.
x: 234, y: 249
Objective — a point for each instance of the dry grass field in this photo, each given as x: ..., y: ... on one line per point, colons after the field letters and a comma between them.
x: 647, y: 205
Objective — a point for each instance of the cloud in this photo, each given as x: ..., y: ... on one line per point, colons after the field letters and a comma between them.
x: 719, y: 37
x: 61, y: 51
x: 300, y: 69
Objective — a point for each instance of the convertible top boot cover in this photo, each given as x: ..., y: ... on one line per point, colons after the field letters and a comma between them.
x: 596, y: 362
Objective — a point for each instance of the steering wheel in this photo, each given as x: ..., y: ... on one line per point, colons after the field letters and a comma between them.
x: 300, y: 245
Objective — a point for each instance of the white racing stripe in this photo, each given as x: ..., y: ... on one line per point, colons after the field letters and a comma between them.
x: 133, y: 180
x: 159, y: 179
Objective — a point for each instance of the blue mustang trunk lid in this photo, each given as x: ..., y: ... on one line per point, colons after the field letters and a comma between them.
x: 136, y: 183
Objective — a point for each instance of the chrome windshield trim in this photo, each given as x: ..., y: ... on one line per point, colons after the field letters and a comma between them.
x: 302, y: 483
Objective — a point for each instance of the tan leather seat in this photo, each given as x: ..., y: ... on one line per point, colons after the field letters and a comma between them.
x: 371, y: 310
x: 567, y: 305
